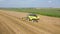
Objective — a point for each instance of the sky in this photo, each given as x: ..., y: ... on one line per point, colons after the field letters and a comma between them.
x: 30, y: 3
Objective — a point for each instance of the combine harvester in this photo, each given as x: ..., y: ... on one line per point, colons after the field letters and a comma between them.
x: 31, y: 18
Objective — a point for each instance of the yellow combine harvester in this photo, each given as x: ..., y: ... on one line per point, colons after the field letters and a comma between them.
x: 31, y: 17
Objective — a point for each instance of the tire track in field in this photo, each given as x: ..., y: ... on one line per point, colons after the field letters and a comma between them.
x: 39, y: 27
x: 5, y: 29
x: 10, y: 24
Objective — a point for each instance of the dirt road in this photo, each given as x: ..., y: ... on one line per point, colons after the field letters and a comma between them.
x: 10, y: 23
